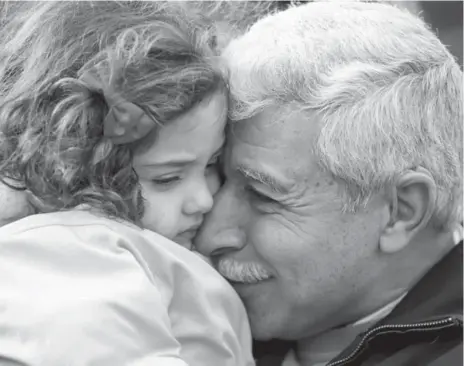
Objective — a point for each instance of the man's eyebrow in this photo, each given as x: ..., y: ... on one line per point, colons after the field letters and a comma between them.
x: 263, y: 178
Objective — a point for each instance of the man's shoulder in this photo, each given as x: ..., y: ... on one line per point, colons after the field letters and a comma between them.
x: 437, y: 294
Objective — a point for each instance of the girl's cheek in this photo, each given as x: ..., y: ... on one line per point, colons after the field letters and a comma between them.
x: 162, y: 212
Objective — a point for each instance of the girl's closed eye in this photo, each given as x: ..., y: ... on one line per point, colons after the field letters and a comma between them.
x: 166, y: 181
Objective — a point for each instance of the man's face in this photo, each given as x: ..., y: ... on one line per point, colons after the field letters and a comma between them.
x: 277, y: 231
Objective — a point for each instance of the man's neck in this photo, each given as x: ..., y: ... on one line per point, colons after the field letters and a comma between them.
x: 329, y: 344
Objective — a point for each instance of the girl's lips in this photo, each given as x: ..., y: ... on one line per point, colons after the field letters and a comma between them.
x: 188, y: 234
x: 184, y: 241
x: 185, y: 238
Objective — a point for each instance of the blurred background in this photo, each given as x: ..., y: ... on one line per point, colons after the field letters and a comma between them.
x: 445, y: 17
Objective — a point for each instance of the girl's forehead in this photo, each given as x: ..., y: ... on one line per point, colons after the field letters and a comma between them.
x: 196, y: 135
x: 210, y: 113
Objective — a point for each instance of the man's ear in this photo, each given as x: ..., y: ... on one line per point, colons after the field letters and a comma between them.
x: 412, y: 204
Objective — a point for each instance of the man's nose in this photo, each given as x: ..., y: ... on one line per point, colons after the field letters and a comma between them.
x: 222, y: 229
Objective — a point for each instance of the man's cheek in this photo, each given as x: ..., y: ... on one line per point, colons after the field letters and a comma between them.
x: 215, y: 181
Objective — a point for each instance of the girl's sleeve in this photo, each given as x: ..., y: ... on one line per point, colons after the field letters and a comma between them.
x: 65, y: 301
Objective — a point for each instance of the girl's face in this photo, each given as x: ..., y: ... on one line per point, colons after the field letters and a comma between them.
x: 178, y: 173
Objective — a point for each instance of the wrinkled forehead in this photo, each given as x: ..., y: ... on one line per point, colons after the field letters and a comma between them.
x: 276, y: 126
x: 273, y: 138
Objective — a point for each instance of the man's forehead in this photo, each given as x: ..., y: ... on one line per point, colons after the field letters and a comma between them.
x: 275, y: 153
x: 268, y: 116
x: 276, y: 128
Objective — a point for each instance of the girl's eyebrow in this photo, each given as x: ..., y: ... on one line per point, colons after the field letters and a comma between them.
x: 175, y: 161
x: 178, y: 161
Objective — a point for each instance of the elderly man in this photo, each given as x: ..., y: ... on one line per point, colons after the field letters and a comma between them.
x: 344, y: 187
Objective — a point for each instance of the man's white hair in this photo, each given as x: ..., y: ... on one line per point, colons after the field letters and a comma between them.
x: 386, y: 90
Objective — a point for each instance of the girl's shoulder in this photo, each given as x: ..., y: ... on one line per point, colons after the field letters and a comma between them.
x: 88, y: 233
x: 83, y: 270
x: 75, y: 239
x: 83, y: 239
x: 78, y: 229
x: 71, y: 218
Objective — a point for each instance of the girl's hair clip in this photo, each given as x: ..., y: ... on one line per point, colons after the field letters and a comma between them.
x: 125, y: 122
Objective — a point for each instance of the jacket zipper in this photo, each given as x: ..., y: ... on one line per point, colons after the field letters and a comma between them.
x: 426, y: 325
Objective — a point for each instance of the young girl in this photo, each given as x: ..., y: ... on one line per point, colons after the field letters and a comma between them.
x: 111, y: 120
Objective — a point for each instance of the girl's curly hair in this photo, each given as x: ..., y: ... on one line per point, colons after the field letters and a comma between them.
x: 51, y: 123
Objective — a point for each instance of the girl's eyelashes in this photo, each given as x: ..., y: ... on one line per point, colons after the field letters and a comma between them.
x: 166, y: 181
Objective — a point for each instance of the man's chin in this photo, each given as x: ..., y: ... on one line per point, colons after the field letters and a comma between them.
x: 264, y: 332
x: 274, y: 324
x: 264, y: 325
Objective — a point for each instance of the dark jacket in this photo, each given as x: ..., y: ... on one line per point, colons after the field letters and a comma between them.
x: 424, y: 329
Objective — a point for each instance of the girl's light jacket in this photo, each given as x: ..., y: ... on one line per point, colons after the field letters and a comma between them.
x: 82, y: 290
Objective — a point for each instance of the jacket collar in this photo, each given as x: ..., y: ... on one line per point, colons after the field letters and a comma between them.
x: 438, y: 294
x: 436, y: 298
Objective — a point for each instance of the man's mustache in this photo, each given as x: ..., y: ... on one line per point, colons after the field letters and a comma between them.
x: 235, y: 271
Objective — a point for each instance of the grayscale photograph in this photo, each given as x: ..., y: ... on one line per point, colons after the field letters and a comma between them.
x: 231, y: 183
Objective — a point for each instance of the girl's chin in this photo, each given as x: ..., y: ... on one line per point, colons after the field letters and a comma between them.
x: 183, y: 241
